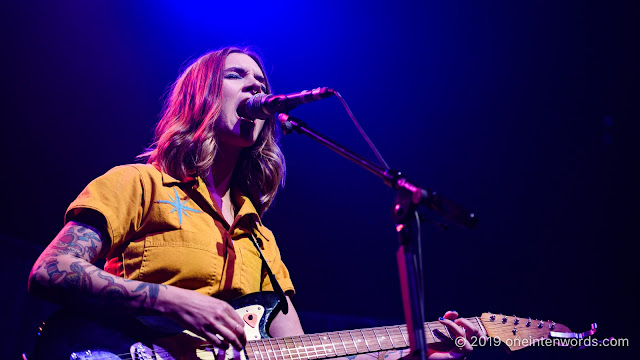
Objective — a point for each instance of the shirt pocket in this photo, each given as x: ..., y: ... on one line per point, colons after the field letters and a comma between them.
x: 190, y: 260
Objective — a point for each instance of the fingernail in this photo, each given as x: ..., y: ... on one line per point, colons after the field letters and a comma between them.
x: 441, y: 318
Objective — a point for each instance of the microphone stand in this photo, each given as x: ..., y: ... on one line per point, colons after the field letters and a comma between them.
x: 408, y: 197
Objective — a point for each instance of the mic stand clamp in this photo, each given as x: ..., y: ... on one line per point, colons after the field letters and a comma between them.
x: 409, y: 259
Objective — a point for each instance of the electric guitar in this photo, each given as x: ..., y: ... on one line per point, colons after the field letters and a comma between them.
x: 72, y: 335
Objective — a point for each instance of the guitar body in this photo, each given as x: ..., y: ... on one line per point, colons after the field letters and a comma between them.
x: 71, y: 334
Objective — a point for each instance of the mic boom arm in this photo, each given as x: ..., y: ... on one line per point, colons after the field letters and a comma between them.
x: 447, y: 209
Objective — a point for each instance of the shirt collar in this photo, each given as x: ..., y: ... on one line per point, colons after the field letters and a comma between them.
x: 245, y: 205
x: 168, y: 180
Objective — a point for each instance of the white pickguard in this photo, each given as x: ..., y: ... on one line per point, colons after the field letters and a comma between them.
x: 251, y: 315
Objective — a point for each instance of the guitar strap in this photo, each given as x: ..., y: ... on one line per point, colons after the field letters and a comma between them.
x: 284, y: 304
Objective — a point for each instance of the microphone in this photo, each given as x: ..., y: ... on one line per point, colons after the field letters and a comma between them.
x: 261, y: 106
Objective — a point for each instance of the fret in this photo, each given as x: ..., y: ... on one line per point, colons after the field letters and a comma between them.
x: 273, y: 350
x: 343, y: 344
x: 403, y: 336
x: 251, y: 351
x: 297, y: 347
x: 306, y: 347
x: 282, y: 345
x: 355, y: 343
x: 309, y: 348
x: 353, y: 348
x: 396, y: 333
x: 433, y: 334
x: 257, y: 346
x: 366, y: 343
x: 429, y: 334
x: 265, y: 349
x: 327, y: 346
x: 480, y: 325
x: 389, y: 335
x: 449, y: 332
x: 442, y: 329
x: 386, y: 343
x: 327, y: 352
x: 351, y: 341
x: 371, y: 336
x: 291, y: 345
x: 312, y: 351
x: 377, y: 339
x: 302, y: 346
x: 315, y: 339
x: 314, y: 346
x: 319, y: 346
x: 333, y: 343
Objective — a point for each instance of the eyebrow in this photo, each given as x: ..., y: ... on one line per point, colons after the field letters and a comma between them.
x: 244, y: 72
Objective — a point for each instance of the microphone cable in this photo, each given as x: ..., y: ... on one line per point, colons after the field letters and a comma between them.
x: 364, y: 135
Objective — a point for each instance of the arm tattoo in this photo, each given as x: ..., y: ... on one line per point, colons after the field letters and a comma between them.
x: 82, y: 242
x: 77, y: 241
x: 76, y: 278
x: 115, y: 291
x: 120, y: 292
x: 154, y: 290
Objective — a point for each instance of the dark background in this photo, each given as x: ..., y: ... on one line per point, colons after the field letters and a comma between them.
x: 524, y: 111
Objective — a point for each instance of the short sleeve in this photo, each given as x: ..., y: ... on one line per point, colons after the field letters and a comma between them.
x: 117, y: 195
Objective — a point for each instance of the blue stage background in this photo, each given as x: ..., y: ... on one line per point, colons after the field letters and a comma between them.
x: 525, y: 112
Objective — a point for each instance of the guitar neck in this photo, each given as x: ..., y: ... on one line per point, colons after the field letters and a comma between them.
x: 341, y: 343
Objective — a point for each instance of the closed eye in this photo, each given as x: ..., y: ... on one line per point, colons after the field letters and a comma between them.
x: 239, y: 73
x: 232, y: 75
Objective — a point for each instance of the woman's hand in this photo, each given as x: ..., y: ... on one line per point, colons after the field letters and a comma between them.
x: 462, y: 330
x: 211, y: 318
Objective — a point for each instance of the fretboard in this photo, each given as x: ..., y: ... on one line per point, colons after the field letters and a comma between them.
x: 341, y: 343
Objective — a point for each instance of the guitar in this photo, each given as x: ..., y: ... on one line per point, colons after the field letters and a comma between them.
x: 72, y: 335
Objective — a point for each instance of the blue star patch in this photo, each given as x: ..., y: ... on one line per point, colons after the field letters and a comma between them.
x: 178, y: 206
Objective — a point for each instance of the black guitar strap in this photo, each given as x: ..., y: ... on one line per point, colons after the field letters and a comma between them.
x: 284, y: 304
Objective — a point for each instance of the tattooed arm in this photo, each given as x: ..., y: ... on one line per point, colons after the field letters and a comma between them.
x: 64, y: 273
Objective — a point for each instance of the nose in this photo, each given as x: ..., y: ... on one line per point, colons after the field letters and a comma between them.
x: 253, y: 86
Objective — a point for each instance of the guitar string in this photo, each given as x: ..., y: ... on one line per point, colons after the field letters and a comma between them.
x: 315, y: 347
x: 208, y: 347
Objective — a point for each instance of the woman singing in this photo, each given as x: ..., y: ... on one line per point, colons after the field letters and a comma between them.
x: 180, y: 234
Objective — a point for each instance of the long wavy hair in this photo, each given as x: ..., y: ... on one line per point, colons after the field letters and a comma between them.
x: 185, y: 142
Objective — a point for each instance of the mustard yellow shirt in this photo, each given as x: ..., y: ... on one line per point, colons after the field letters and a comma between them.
x: 169, y: 232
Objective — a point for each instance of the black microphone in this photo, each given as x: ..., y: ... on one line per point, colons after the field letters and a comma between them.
x: 261, y: 106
